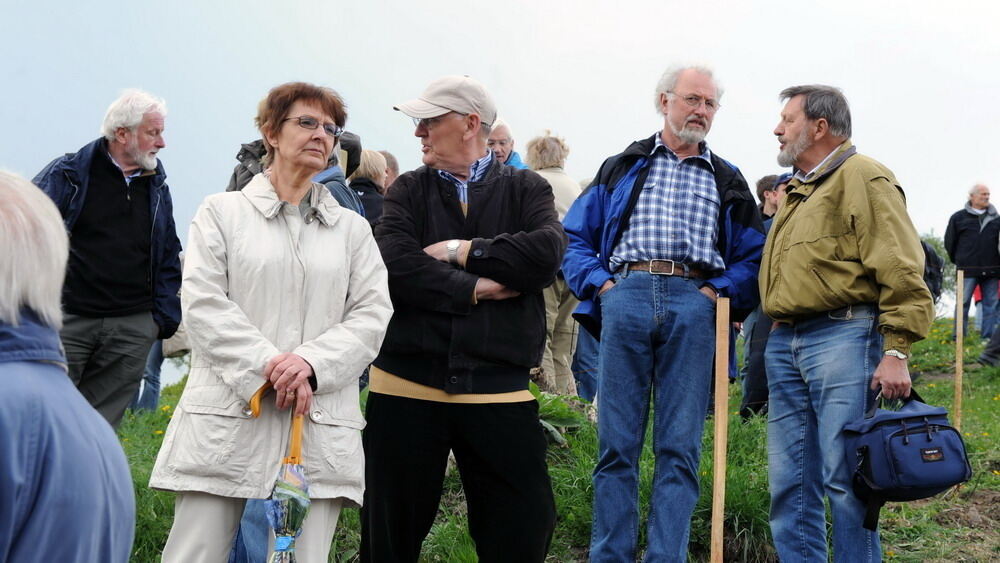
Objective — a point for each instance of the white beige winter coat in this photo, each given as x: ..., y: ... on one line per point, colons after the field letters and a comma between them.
x: 259, y: 280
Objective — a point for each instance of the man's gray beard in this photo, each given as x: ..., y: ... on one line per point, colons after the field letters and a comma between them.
x: 689, y: 136
x: 791, y: 152
x: 145, y: 160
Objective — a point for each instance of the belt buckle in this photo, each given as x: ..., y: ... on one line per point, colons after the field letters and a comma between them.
x: 673, y: 267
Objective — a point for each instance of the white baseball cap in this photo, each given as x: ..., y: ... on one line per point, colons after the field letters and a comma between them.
x: 452, y: 93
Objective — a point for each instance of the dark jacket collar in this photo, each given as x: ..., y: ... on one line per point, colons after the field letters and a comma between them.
x: 364, y: 185
x: 77, y: 165
x: 29, y: 341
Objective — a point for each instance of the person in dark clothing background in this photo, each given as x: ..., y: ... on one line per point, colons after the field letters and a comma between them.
x: 971, y: 241
x: 124, y: 268
x: 368, y: 182
x: 757, y: 326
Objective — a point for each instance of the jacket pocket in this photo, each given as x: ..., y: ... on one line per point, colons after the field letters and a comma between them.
x: 340, y: 442
x: 830, y: 296
x: 214, y: 424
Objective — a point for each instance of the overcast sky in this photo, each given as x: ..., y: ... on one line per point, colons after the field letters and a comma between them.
x: 921, y: 76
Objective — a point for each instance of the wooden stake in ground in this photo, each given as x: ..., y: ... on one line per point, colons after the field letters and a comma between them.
x: 721, y: 424
x: 956, y: 411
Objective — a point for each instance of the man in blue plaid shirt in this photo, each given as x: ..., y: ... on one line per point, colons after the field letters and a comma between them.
x: 665, y: 229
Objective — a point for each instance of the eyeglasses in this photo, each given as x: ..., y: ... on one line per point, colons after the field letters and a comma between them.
x: 695, y: 101
x: 429, y: 122
x: 311, y: 123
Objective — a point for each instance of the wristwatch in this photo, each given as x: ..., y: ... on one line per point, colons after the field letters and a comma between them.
x: 452, y: 247
x: 896, y: 354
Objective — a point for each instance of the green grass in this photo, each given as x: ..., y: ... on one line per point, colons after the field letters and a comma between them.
x: 958, y: 526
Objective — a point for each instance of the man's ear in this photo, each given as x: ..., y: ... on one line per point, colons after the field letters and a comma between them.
x: 822, y: 129
x: 472, y: 126
x: 121, y: 135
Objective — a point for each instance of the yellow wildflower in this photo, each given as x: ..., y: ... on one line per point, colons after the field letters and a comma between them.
x: 157, y: 431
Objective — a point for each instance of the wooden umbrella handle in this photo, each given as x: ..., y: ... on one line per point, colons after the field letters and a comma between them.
x: 295, y: 441
x: 295, y: 435
x: 257, y: 396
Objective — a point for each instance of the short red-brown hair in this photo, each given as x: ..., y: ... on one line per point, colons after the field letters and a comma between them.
x: 275, y: 107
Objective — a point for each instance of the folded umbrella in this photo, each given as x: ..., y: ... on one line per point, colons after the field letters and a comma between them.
x: 289, y: 503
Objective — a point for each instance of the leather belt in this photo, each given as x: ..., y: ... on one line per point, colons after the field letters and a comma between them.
x: 845, y: 313
x: 668, y: 268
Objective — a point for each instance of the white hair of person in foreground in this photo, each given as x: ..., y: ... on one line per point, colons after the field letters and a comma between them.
x: 33, y: 252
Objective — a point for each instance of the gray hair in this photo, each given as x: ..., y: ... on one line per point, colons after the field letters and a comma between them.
x: 127, y: 111
x: 498, y: 123
x: 33, y: 252
x: 825, y: 102
x: 390, y: 161
x: 485, y: 128
x: 670, y: 77
x: 974, y: 189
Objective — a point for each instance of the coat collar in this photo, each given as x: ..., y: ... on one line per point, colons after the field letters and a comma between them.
x: 30, y: 340
x: 260, y: 192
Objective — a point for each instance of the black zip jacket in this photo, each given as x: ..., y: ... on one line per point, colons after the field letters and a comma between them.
x: 437, y: 337
x: 971, y: 241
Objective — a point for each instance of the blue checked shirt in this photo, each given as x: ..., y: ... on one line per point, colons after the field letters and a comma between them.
x: 677, y: 214
x: 476, y: 173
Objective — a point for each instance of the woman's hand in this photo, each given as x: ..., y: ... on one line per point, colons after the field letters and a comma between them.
x: 289, y: 375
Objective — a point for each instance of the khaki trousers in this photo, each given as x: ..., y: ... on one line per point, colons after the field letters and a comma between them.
x: 560, y: 329
x: 205, y: 526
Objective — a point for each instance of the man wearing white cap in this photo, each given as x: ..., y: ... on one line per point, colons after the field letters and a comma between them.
x: 469, y: 244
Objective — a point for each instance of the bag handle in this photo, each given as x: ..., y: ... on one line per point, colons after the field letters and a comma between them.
x: 914, y: 396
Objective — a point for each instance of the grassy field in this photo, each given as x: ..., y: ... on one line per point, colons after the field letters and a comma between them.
x: 961, y: 525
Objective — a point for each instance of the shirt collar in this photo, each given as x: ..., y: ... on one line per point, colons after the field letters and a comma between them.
x: 806, y: 177
x: 476, y: 170
x: 128, y: 177
x: 705, y: 155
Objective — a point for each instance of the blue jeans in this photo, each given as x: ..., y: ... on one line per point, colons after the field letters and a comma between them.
x: 989, y: 288
x: 149, y: 396
x: 657, y: 341
x: 585, y: 364
x: 818, y: 373
x: 252, y: 536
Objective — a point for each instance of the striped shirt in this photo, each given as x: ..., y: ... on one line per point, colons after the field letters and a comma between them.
x: 677, y: 214
x: 476, y: 173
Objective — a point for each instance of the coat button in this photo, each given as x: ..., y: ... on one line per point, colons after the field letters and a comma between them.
x: 477, y: 252
x: 316, y: 415
x: 247, y: 412
x: 453, y: 379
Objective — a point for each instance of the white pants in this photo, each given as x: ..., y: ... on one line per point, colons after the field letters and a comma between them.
x: 205, y: 525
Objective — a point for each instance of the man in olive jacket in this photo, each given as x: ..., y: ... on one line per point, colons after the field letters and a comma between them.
x: 842, y: 276
x: 469, y: 244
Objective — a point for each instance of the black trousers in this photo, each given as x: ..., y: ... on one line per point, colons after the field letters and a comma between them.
x: 755, y: 382
x: 500, y: 450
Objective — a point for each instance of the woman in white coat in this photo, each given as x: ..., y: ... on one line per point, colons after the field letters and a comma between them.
x: 281, y: 285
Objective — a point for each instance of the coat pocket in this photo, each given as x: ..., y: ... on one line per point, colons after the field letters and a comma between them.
x: 340, y: 442
x: 209, y: 433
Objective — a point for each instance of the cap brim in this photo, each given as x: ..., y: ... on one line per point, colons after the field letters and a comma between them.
x: 421, y: 109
